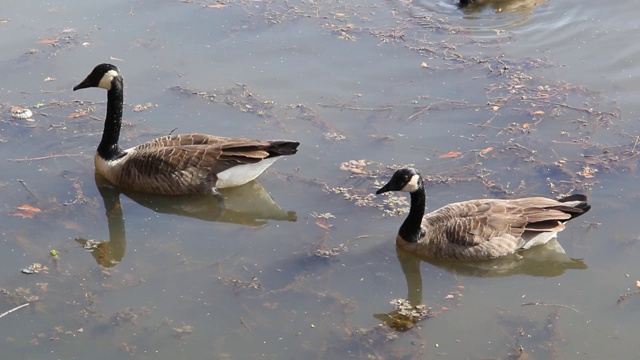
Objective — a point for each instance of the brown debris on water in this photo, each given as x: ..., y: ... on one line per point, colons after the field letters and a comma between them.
x: 504, y: 130
x: 379, y: 342
x: 306, y: 113
x: 530, y: 335
x: 405, y: 315
x: 624, y: 297
x: 238, y: 284
x: 240, y: 97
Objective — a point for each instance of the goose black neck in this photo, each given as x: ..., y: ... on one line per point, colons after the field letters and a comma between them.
x: 109, y: 148
x: 411, y: 227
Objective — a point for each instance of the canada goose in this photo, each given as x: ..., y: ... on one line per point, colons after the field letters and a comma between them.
x: 479, y: 229
x: 175, y: 164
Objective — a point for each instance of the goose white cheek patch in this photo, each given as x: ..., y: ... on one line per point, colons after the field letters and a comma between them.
x: 105, y: 82
x: 412, y: 185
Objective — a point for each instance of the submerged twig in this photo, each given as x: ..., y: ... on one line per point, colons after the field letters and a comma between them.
x: 50, y: 156
x: 31, y: 192
x: 624, y: 297
x: 245, y: 324
x: 554, y: 305
x: 635, y: 144
x: 356, y: 108
x: 12, y: 310
x: 576, y: 108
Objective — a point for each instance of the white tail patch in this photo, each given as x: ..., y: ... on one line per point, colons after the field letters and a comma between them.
x: 539, y: 239
x: 105, y: 82
x: 242, y: 174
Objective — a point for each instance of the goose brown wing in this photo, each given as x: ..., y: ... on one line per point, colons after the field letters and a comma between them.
x: 190, y: 163
x: 245, y: 146
x: 543, y: 214
x: 473, y: 223
x: 236, y: 150
x: 205, y: 160
x: 172, y: 170
x: 190, y: 140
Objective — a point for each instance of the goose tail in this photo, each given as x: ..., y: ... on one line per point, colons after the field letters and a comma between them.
x: 282, y: 147
x: 575, y: 205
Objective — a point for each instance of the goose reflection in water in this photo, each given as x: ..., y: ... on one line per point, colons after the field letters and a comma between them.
x: 476, y: 6
x: 548, y: 260
x: 249, y: 204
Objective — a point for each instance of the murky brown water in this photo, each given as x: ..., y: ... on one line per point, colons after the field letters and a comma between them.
x: 488, y: 101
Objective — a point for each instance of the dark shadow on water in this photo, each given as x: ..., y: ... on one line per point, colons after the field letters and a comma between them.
x: 549, y: 260
x: 249, y: 204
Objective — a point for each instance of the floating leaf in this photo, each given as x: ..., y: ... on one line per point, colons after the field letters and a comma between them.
x: 26, y: 211
x: 326, y: 215
x: 450, y: 154
x: 2, y: 21
x: 35, y: 268
x: 215, y: 6
x: 495, y: 108
x: 485, y: 151
x: 185, y: 329
x: 27, y: 207
x: 323, y: 224
x: 72, y: 225
x: 115, y: 58
x: 588, y: 172
x: 334, y: 136
x: 77, y: 114
x: 539, y: 112
x: 352, y: 165
x: 525, y: 125
x: 49, y: 79
x: 48, y: 41
x: 141, y: 107
x: 20, y: 113
x: 24, y: 214
x: 424, y: 64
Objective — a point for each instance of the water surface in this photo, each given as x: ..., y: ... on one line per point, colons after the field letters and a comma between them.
x: 490, y: 101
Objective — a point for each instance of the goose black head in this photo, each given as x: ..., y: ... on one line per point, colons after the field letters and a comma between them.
x: 406, y: 179
x: 102, y: 76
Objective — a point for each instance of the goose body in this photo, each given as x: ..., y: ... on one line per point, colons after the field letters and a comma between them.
x: 175, y: 164
x: 479, y: 229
